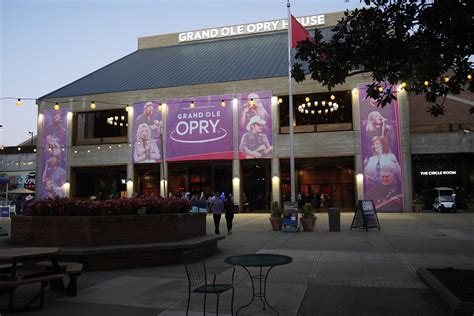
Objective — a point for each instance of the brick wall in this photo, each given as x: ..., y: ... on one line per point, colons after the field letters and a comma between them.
x: 87, y: 231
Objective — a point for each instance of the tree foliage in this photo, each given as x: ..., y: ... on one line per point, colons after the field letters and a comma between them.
x: 426, y: 44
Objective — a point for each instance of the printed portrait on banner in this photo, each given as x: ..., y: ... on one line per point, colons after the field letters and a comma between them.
x: 255, y: 125
x: 380, y: 153
x: 147, y: 129
x: 53, y: 153
x: 200, y: 128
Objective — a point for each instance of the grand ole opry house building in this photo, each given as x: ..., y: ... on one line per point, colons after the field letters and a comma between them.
x: 207, y: 110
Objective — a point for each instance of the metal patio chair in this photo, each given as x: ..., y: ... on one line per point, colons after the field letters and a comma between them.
x: 198, y: 279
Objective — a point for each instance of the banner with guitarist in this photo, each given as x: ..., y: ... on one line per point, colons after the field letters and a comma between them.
x: 380, y: 153
x: 255, y: 125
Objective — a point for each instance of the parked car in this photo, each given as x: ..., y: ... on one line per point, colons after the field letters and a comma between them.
x: 444, y: 200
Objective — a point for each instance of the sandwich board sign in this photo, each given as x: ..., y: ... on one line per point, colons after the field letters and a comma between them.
x: 365, y: 215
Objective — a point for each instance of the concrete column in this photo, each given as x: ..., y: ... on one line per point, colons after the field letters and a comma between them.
x: 236, y: 175
x: 275, y: 174
x: 69, y: 120
x: 164, y: 165
x: 130, y: 178
x: 358, y: 171
x: 359, y: 178
x: 406, y: 163
x: 236, y: 187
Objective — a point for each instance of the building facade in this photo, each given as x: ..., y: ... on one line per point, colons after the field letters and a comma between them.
x: 207, y: 111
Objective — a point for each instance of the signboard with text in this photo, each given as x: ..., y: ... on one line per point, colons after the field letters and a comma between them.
x: 365, y: 215
x: 200, y: 128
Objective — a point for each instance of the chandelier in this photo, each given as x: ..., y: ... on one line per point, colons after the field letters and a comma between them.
x: 117, y: 120
x: 318, y: 107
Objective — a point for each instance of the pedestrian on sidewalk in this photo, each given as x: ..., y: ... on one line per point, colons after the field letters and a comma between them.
x: 217, y: 207
x: 229, y: 213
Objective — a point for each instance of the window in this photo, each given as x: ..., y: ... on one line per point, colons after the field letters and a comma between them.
x: 101, y: 127
x: 313, y: 109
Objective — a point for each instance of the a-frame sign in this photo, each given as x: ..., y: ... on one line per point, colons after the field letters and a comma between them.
x: 365, y: 215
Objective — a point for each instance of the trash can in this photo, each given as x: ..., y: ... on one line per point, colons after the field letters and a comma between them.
x: 334, y: 215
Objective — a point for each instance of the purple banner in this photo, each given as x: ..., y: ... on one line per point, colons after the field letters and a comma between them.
x: 380, y: 153
x: 53, y: 154
x: 146, y: 135
x: 255, y: 125
x: 200, y: 128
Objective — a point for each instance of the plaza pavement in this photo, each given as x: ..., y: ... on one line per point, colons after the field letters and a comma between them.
x: 332, y: 273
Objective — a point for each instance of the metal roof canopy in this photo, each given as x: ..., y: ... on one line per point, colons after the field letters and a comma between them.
x: 244, y: 58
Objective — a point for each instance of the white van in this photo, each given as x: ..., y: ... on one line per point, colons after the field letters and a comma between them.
x: 444, y: 200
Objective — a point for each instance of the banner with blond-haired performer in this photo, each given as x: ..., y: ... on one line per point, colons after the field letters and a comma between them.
x: 255, y: 125
x: 380, y: 153
x: 146, y: 135
x: 53, y: 154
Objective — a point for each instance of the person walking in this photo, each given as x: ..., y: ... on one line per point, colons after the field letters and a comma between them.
x: 217, y: 207
x: 229, y: 213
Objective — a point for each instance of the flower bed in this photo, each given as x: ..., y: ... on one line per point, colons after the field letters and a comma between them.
x: 74, y: 223
x: 131, y: 206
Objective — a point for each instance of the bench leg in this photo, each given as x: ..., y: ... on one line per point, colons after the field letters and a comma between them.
x: 71, y: 289
x: 11, y: 298
x: 57, y: 286
x: 27, y: 306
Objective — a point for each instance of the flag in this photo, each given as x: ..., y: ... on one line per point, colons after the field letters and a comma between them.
x: 298, y: 32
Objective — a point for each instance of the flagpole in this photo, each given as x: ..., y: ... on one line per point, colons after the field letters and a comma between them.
x: 290, y: 119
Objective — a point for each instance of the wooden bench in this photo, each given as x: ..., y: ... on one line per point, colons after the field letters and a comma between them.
x: 10, y: 286
x: 71, y: 269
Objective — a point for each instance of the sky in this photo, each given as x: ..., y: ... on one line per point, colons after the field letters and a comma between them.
x: 47, y: 44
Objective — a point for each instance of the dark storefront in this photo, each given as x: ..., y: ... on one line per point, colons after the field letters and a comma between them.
x: 148, y: 179
x: 200, y: 176
x: 444, y: 170
x: 324, y: 182
x: 104, y: 182
x: 256, y: 185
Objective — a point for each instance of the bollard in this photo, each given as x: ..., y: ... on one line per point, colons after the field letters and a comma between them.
x: 334, y: 215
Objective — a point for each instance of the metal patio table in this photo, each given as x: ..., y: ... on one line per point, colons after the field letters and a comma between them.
x: 261, y: 261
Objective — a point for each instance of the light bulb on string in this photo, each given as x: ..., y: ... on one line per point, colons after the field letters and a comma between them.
x: 93, y: 106
x: 192, y: 105
x: 251, y: 103
x: 18, y: 102
x: 333, y: 97
x: 56, y: 106
x: 223, y: 103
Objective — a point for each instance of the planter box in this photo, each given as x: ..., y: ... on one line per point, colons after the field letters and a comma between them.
x: 90, y: 231
x: 453, y: 286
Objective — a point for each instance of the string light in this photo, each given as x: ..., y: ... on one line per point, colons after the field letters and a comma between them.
x: 280, y: 100
x: 18, y: 102
x: 127, y: 108
x: 333, y: 97
x: 446, y: 79
x: 404, y: 84
x: 223, y: 103
x: 426, y: 83
x: 469, y: 77
x: 56, y: 106
x: 191, y: 105
x: 93, y: 105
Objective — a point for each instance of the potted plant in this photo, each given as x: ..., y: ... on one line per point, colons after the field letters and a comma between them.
x: 418, y: 203
x: 308, y: 219
x: 276, y: 216
x: 470, y: 203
